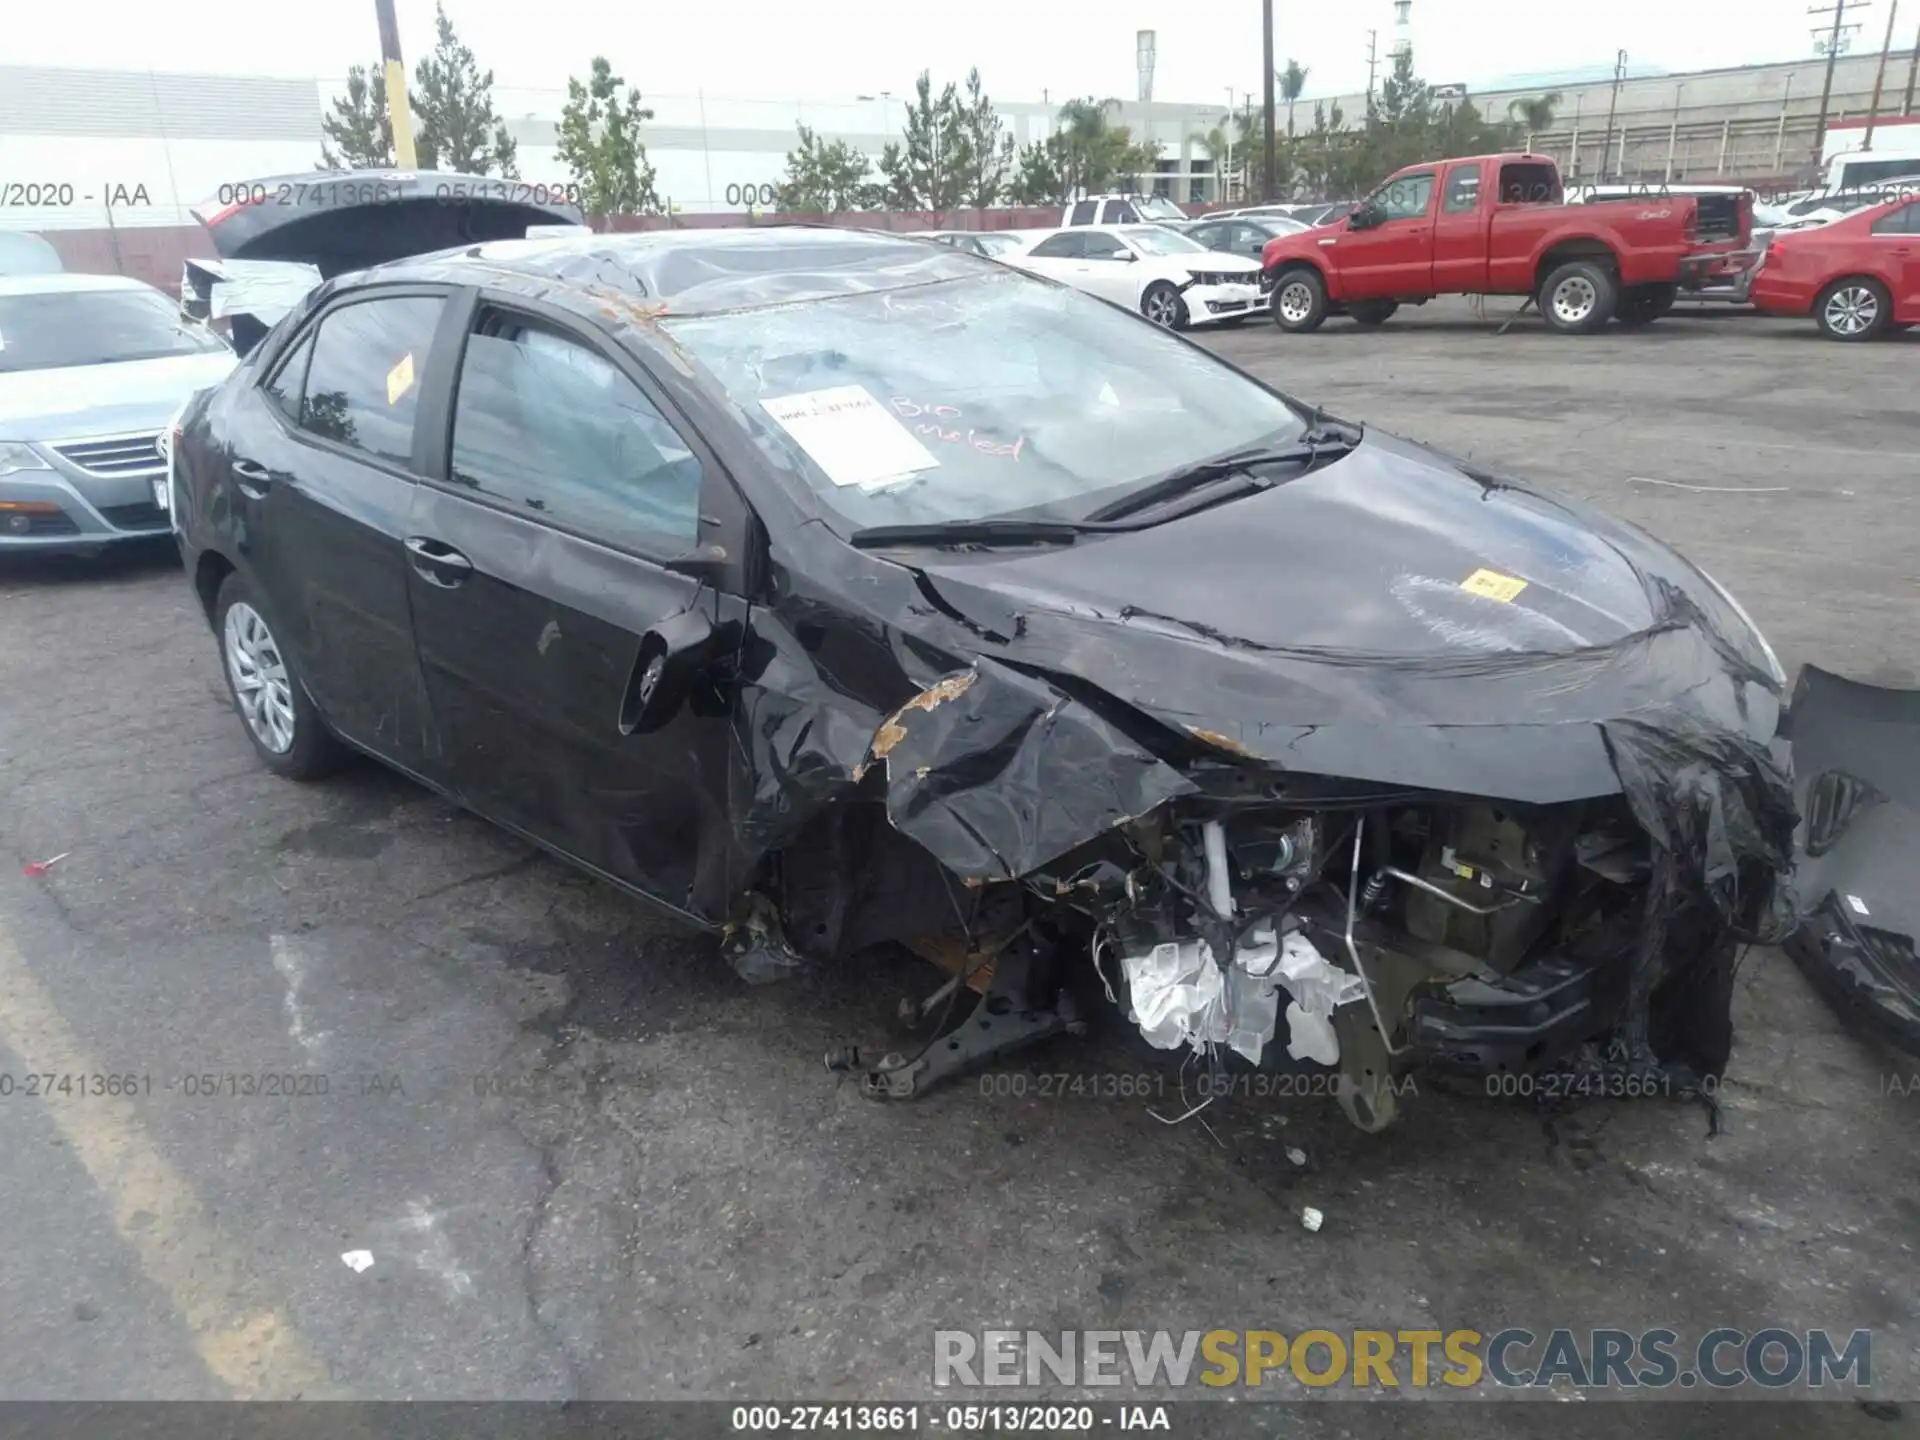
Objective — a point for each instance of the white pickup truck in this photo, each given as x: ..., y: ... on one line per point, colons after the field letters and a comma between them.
x: 1120, y: 210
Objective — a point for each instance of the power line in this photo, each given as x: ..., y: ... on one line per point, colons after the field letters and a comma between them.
x: 1839, y: 12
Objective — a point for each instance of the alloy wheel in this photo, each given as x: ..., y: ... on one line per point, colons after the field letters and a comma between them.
x: 1574, y: 299
x: 1162, y: 307
x: 260, y: 680
x: 1296, y: 301
x: 1852, y: 310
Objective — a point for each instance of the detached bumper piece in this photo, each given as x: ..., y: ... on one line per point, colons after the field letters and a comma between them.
x: 1856, y: 757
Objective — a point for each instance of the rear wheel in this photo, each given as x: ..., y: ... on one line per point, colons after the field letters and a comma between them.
x: 286, y: 730
x: 1853, y: 309
x: 1164, y: 307
x: 1372, y: 312
x: 1299, y: 301
x: 1579, y: 297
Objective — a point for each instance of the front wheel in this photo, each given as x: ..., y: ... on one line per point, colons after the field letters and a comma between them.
x: 1579, y: 297
x: 286, y: 730
x: 1853, y: 309
x: 1163, y: 306
x: 1372, y: 312
x: 1299, y: 301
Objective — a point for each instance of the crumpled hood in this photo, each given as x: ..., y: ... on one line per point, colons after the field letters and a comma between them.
x: 79, y: 400
x: 1390, y: 551
x: 1391, y: 617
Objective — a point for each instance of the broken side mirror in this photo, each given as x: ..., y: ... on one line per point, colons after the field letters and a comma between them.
x: 671, y: 657
x: 1367, y: 217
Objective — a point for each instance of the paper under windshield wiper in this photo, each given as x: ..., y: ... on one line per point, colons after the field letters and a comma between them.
x: 1323, y: 445
x: 988, y: 531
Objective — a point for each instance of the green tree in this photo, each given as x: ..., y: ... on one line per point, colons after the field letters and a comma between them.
x: 1293, y: 81
x: 1535, y: 113
x: 1218, y: 143
x: 926, y: 169
x: 456, y: 126
x: 986, y: 150
x: 600, y: 145
x: 359, y: 126
x: 825, y: 179
x: 1094, y: 153
x: 1037, y: 179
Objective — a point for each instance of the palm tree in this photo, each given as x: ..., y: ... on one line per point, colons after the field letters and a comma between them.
x: 1536, y: 114
x: 1218, y: 143
x: 1293, y: 80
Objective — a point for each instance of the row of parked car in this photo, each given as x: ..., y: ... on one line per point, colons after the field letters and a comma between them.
x: 1587, y: 256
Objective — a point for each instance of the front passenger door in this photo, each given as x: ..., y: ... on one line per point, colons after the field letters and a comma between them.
x: 538, y: 564
x: 1395, y: 256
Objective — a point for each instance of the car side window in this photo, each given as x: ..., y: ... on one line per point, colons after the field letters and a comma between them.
x: 1121, y: 212
x: 1105, y: 247
x: 1405, y: 198
x: 1084, y: 212
x: 1463, y: 190
x: 1904, y: 221
x: 363, y: 377
x: 1207, y: 235
x: 289, y: 381
x: 550, y: 427
x: 1249, y: 240
x: 1058, y: 247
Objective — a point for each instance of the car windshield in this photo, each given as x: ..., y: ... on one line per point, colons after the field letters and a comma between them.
x: 1157, y: 240
x: 54, y: 329
x: 984, y: 396
x: 1158, y: 207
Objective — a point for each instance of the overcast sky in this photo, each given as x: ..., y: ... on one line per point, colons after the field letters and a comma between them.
x: 836, y: 49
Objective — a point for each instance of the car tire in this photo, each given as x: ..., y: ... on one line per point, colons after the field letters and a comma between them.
x: 1579, y: 297
x: 1372, y: 313
x: 1299, y: 301
x: 1162, y: 306
x: 279, y: 718
x: 1855, y: 308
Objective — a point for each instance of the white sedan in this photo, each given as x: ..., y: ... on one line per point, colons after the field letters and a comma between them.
x: 1173, y: 281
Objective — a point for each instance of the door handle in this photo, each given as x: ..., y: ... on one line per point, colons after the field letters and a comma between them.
x: 437, y: 563
x: 252, y: 478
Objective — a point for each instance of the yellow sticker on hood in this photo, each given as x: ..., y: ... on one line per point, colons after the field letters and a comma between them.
x: 400, y: 378
x: 1493, y: 585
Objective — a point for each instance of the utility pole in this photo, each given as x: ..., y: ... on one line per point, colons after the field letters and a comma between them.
x: 1373, y: 60
x: 1613, y: 106
x: 1266, y: 71
x: 1880, y: 74
x: 397, y: 111
x: 1839, y: 12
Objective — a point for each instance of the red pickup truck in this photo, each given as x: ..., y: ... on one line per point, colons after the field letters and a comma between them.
x: 1498, y: 225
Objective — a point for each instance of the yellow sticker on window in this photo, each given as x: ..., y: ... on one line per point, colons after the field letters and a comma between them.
x: 1493, y: 585
x: 400, y: 378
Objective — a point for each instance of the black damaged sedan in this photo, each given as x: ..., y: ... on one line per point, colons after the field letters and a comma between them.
x: 831, y: 590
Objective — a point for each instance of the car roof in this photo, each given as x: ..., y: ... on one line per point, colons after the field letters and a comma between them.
x: 635, y: 277
x: 68, y: 282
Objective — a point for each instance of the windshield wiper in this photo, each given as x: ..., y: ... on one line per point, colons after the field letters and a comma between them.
x: 1323, y: 443
x: 987, y: 531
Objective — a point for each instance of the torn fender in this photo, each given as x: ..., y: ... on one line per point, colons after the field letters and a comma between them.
x: 1856, y: 758
x: 996, y: 772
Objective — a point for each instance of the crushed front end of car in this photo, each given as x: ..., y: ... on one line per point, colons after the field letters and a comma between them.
x: 1478, y: 862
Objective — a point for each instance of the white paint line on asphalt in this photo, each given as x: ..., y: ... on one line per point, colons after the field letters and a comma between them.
x: 248, y: 1345
x: 291, y: 963
x: 1709, y: 489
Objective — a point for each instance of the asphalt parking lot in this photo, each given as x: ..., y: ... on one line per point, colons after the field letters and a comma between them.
x: 590, y: 1163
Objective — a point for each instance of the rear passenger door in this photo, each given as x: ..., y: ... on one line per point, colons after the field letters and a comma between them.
x: 322, y: 463
x: 1895, y: 241
x: 537, y: 556
x: 1058, y: 257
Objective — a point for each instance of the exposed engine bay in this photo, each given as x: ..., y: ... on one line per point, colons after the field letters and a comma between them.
x: 1361, y: 932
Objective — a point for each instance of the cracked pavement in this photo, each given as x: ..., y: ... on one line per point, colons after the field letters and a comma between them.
x: 590, y: 1163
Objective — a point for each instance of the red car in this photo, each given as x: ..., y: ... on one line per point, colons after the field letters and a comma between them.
x: 1858, y: 277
